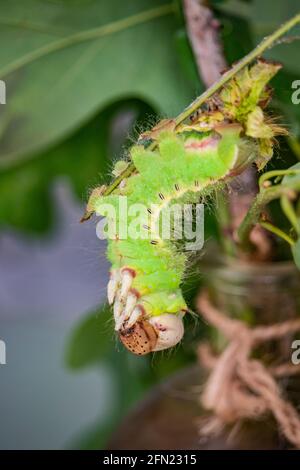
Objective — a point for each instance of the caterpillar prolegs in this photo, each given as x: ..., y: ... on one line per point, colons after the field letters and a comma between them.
x: 186, y: 161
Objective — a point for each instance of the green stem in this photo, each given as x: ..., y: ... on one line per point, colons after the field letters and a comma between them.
x: 258, y: 51
x: 290, y: 213
x: 251, y: 219
x: 224, y: 223
x: 82, y: 36
x: 277, y: 231
x: 115, y: 183
x: 272, y: 174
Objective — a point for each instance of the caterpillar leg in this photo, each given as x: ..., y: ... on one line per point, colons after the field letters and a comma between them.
x: 113, y: 285
x: 118, y: 294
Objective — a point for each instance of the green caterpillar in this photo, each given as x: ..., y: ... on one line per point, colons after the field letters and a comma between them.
x: 147, y: 271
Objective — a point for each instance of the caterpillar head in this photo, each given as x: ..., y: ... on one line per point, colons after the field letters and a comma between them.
x: 139, y: 332
x: 140, y: 338
x: 153, y: 334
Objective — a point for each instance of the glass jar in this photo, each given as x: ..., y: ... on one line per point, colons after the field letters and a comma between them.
x: 258, y: 294
x: 171, y: 416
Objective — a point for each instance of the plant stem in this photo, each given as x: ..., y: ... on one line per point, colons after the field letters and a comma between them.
x: 277, y: 231
x: 251, y: 219
x: 274, y: 173
x: 290, y: 213
x: 224, y: 224
x: 258, y: 51
x: 203, y: 32
x: 265, y: 44
x: 115, y: 183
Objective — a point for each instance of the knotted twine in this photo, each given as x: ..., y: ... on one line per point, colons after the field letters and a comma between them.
x: 239, y: 386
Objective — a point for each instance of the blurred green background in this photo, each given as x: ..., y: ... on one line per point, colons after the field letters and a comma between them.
x: 83, y: 78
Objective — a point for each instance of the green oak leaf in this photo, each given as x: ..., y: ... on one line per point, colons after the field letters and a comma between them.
x: 64, y: 61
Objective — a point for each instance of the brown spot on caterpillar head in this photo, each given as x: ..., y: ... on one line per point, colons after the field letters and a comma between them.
x: 140, y: 339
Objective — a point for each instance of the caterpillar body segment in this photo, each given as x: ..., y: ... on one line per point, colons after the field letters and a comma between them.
x: 147, y: 270
x: 144, y: 287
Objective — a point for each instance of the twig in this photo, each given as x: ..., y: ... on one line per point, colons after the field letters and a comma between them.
x: 277, y: 231
x: 232, y: 205
x: 288, y: 209
x: 258, y: 51
x: 265, y: 44
x: 202, y: 29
